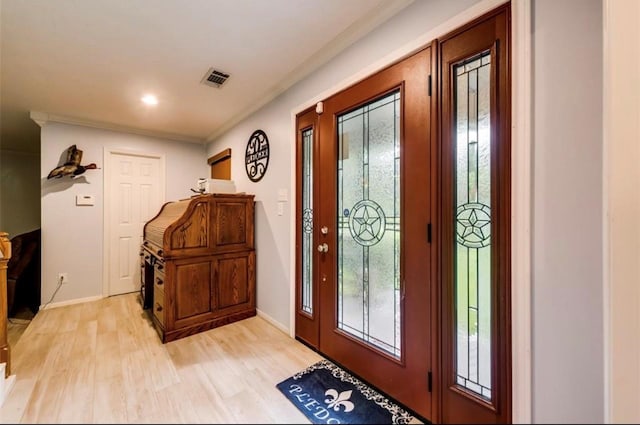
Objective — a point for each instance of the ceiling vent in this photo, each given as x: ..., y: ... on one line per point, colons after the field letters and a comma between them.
x: 214, y: 78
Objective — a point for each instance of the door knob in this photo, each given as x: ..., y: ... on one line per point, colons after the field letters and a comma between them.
x: 323, y: 247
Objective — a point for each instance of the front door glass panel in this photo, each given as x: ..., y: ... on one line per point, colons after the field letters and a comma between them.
x: 368, y: 217
x: 473, y: 224
x: 307, y: 221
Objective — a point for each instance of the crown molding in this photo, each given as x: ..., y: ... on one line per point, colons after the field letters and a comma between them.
x: 39, y: 118
x: 42, y: 118
x: 350, y: 35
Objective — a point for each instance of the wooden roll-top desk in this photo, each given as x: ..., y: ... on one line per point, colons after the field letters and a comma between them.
x: 198, y: 264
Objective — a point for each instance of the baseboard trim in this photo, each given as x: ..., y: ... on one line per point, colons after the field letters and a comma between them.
x: 273, y: 321
x: 71, y: 302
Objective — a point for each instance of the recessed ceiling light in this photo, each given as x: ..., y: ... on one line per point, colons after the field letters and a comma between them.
x: 150, y: 99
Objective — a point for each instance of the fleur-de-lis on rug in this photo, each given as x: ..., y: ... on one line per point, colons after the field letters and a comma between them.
x: 336, y: 400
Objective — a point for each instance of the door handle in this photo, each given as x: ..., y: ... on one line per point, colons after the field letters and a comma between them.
x: 323, y: 247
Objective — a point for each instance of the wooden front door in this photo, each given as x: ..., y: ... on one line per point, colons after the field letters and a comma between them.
x: 365, y: 178
x: 403, y: 239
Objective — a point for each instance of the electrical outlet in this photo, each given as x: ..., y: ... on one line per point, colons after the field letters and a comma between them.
x: 63, y: 277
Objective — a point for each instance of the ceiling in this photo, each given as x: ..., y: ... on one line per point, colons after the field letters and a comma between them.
x: 91, y: 61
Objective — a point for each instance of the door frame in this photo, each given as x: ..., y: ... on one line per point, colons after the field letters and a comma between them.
x: 106, y: 189
x: 521, y: 183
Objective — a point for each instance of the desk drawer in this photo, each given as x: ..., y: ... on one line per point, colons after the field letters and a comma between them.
x: 158, y: 282
x: 158, y: 267
x: 158, y: 305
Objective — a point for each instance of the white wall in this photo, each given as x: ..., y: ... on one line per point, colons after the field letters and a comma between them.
x: 72, y: 236
x: 622, y: 180
x: 567, y: 265
x: 19, y: 192
x: 273, y: 231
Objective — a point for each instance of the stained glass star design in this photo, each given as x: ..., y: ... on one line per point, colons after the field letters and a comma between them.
x: 474, y: 225
x: 366, y: 221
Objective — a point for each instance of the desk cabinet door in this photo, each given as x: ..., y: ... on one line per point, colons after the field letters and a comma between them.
x: 192, y: 288
x: 234, y: 282
x: 232, y: 223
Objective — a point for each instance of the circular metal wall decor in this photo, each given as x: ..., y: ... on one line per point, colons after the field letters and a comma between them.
x: 256, y: 158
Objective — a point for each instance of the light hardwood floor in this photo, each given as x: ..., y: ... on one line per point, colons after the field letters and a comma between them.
x: 102, y: 362
x: 15, y: 329
x: 17, y: 324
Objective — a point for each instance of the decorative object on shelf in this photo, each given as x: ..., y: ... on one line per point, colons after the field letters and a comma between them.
x: 71, y: 166
x: 214, y: 186
x: 257, y: 155
x: 202, y: 186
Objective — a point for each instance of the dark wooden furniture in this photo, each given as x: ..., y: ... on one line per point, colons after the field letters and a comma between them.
x: 23, y: 273
x: 198, y: 264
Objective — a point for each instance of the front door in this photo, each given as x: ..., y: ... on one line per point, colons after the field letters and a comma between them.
x: 403, y: 227
x: 364, y: 230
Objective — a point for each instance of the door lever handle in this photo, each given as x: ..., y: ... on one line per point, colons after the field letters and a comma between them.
x: 323, y: 247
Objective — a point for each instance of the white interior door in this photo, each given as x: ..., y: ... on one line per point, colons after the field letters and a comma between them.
x: 136, y: 193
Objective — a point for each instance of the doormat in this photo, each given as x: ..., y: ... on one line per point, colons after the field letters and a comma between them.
x: 327, y: 394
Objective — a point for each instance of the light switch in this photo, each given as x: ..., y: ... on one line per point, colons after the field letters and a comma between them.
x: 85, y: 200
x: 280, y: 208
x: 283, y: 195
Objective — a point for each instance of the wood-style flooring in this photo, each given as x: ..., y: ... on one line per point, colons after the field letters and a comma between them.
x: 17, y: 324
x: 15, y: 329
x: 102, y: 362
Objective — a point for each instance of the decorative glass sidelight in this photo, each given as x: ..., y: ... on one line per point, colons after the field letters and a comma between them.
x: 307, y: 221
x: 368, y: 211
x: 472, y: 256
